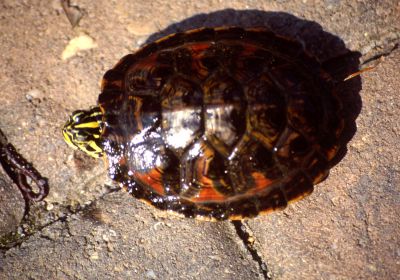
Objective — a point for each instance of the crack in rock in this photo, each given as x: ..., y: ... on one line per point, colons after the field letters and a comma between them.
x: 63, y: 218
x: 386, y: 52
x: 244, y: 233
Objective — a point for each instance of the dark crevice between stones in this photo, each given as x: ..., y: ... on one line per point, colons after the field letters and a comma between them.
x: 382, y: 54
x: 25, y: 233
x: 246, y: 237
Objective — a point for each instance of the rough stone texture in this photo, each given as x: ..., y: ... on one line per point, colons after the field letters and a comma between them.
x: 119, y: 238
x: 12, y: 206
x: 347, y: 229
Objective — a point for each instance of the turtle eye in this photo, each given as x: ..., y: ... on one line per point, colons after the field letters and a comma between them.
x: 76, y: 116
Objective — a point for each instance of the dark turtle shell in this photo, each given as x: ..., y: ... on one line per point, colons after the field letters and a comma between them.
x: 220, y: 123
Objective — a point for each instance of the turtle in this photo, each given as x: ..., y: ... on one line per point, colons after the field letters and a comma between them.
x: 215, y: 123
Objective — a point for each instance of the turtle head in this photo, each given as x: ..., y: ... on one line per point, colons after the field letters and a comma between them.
x: 83, y: 131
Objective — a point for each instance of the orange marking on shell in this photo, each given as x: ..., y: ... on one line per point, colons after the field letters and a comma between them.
x: 153, y: 179
x: 199, y: 47
x: 145, y: 64
x: 197, y: 54
x: 261, y: 182
x: 208, y: 194
x: 249, y: 49
x: 137, y: 113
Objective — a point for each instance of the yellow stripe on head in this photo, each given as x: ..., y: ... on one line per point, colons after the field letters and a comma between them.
x: 83, y: 131
x: 88, y: 125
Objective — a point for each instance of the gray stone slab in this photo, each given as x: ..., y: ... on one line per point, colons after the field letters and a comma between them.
x: 121, y: 238
x: 12, y: 206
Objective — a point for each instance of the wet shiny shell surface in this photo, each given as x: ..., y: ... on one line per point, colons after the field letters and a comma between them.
x: 219, y: 123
